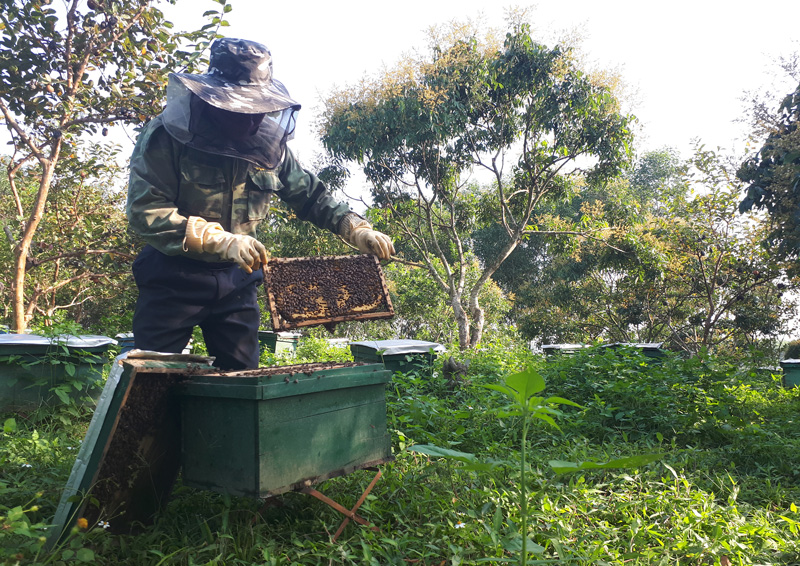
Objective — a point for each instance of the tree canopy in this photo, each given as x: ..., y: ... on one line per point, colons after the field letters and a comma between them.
x: 74, y: 70
x: 522, y: 112
x: 773, y: 181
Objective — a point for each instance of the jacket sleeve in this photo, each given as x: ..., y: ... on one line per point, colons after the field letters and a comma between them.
x: 308, y: 197
x: 153, y: 190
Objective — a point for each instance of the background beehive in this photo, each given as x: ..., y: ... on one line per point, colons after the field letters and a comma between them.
x: 311, y: 291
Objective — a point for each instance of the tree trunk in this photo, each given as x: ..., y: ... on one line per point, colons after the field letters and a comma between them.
x: 21, y: 318
x: 462, y: 320
x: 477, y: 320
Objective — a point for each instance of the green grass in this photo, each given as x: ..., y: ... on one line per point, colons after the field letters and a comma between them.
x: 726, y: 490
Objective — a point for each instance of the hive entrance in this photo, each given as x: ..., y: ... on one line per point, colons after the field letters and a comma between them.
x: 311, y: 291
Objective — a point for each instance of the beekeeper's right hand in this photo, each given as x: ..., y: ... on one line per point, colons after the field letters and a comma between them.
x: 210, y: 237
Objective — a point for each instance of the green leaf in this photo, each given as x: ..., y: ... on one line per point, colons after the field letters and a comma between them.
x: 526, y: 383
x: 9, y: 426
x: 501, y: 388
x: 470, y: 460
x: 85, y: 555
x: 560, y: 401
x: 548, y: 419
x: 62, y: 395
x: 561, y: 467
x: 503, y: 413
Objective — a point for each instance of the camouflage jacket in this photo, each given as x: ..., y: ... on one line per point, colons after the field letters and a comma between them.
x: 170, y: 181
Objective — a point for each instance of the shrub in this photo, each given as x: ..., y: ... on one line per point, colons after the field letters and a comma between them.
x: 792, y: 351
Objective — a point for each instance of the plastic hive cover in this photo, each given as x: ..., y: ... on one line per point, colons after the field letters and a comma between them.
x: 393, y: 347
x: 83, y: 341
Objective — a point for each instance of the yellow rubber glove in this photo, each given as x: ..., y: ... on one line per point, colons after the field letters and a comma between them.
x: 359, y: 233
x: 210, y: 237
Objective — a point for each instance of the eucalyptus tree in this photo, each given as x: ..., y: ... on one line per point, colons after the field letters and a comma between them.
x: 521, y: 112
x: 71, y: 71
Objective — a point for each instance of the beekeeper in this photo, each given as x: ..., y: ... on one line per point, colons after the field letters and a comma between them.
x: 201, y: 178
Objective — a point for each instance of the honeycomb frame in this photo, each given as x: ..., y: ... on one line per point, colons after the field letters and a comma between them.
x: 323, y: 290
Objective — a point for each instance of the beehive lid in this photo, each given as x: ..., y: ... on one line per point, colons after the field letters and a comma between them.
x: 311, y: 291
x: 32, y: 343
x: 285, y: 381
x: 639, y: 345
x: 398, y: 347
x: 131, y: 453
x: 563, y: 347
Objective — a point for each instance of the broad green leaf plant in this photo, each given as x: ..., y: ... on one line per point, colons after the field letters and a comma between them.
x: 522, y: 390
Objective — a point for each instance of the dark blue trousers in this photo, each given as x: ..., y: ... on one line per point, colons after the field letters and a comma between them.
x: 178, y: 293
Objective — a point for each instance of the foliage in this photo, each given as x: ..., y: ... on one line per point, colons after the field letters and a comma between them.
x: 310, y: 349
x: 684, y: 272
x: 580, y: 290
x: 79, y: 266
x: 656, y: 179
x: 727, y: 492
x: 422, y: 309
x: 521, y: 389
x: 773, y: 181
x: 68, y: 73
x: 420, y: 130
x: 722, y: 288
x: 792, y: 351
x: 287, y: 236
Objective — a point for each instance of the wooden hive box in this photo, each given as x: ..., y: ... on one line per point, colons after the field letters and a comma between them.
x: 130, y: 456
x: 253, y: 433
x: 311, y: 291
x: 261, y: 432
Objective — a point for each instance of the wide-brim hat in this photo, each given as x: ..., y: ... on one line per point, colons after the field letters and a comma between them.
x: 239, y: 79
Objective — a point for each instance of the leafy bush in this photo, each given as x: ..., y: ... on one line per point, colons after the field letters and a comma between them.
x: 310, y: 349
x: 792, y: 351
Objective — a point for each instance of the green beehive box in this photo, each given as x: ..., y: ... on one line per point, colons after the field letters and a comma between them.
x: 279, y: 342
x: 791, y: 373
x: 261, y: 432
x: 267, y: 340
x: 397, y: 355
x: 31, y: 366
x: 562, y: 349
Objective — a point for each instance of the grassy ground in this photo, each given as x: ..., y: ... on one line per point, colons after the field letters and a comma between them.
x: 724, y: 491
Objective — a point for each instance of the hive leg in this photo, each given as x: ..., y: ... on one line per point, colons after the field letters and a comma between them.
x: 348, y: 513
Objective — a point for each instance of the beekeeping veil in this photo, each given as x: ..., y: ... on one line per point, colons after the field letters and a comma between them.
x: 239, y: 79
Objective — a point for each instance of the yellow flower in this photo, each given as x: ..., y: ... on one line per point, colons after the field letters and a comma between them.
x: 83, y: 523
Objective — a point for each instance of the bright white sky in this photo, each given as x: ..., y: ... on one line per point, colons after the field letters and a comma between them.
x: 688, y: 63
